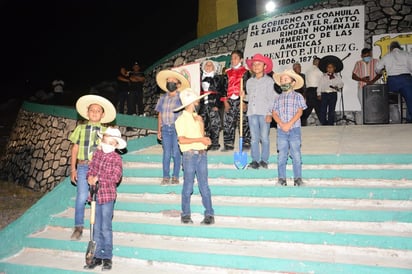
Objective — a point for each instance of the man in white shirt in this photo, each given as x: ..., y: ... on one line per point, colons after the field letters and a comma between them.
x: 398, y: 66
x: 312, y: 81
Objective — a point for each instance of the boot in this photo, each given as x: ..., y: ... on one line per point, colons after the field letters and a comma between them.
x: 77, y: 233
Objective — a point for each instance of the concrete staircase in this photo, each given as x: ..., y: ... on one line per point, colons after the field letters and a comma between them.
x: 354, y: 215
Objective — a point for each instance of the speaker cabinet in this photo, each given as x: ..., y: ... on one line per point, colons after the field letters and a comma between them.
x: 375, y: 104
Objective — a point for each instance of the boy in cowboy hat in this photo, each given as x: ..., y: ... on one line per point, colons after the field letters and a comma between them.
x: 105, y: 168
x: 287, y: 110
x: 171, y: 82
x: 261, y: 95
x: 193, y: 144
x: 329, y: 85
x: 96, y: 110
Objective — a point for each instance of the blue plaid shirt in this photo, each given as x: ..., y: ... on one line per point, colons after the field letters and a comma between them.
x: 287, y: 104
x: 165, y: 107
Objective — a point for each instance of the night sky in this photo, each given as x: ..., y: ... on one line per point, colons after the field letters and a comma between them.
x: 85, y: 42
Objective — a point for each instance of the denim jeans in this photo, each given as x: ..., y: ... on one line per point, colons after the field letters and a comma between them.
x: 170, y: 150
x: 196, y: 165
x: 82, y: 195
x: 259, y: 131
x: 103, y: 233
x: 289, y: 143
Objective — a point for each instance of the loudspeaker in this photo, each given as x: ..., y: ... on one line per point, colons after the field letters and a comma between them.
x: 375, y: 104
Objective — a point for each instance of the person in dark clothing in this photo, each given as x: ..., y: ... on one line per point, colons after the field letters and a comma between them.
x: 211, y: 105
x: 137, y: 79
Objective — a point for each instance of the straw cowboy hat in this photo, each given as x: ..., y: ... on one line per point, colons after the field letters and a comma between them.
x: 162, y: 76
x: 188, y: 96
x: 260, y: 58
x: 115, y: 134
x: 83, y: 103
x: 292, y: 74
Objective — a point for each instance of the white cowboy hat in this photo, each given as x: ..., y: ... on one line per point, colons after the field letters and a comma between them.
x: 292, y: 74
x: 83, y: 103
x: 188, y: 96
x: 162, y: 76
x: 115, y: 134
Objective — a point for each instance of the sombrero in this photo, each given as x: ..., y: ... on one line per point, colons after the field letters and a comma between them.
x: 188, y: 96
x: 292, y: 74
x: 162, y: 76
x: 260, y: 58
x: 116, y: 134
x: 330, y: 59
x: 83, y: 103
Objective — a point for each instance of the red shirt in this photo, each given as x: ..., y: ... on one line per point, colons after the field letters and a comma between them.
x: 234, y: 77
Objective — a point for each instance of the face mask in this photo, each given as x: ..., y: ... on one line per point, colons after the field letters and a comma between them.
x: 171, y: 86
x: 367, y: 59
x: 197, y: 108
x: 286, y: 87
x: 107, y: 148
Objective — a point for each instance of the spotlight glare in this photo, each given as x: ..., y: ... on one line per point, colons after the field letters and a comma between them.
x: 270, y: 6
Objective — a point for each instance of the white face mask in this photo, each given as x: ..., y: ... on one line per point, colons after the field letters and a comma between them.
x: 107, y: 148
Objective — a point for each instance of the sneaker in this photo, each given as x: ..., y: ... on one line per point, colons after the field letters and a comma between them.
x: 208, y: 220
x: 95, y: 262
x: 165, y: 181
x: 77, y: 233
x: 107, y: 264
x: 298, y: 182
x: 263, y: 164
x: 246, y: 146
x: 186, y: 220
x: 175, y: 181
x: 254, y: 165
x: 282, y: 182
x: 214, y: 147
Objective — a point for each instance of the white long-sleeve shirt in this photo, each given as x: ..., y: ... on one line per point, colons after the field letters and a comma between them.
x: 395, y: 62
x: 325, y: 83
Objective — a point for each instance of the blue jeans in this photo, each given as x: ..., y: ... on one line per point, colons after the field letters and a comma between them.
x: 82, y: 195
x: 103, y: 233
x: 403, y: 85
x: 196, y: 164
x: 259, y: 131
x: 289, y: 143
x: 170, y: 150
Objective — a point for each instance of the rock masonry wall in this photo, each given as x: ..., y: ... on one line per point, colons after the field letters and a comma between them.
x: 38, y: 152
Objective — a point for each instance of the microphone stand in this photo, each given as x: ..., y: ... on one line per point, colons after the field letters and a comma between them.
x: 344, y: 118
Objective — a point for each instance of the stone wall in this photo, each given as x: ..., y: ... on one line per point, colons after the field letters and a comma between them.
x: 38, y: 152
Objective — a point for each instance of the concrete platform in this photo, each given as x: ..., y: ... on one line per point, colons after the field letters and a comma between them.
x: 346, y: 139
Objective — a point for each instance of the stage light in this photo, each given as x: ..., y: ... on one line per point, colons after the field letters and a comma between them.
x: 270, y: 6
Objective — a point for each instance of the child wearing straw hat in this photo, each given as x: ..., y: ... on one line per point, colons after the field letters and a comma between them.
x: 97, y: 110
x: 171, y: 82
x: 287, y: 110
x: 193, y: 144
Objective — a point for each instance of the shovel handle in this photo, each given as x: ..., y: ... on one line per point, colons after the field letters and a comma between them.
x: 241, y: 109
x: 92, y: 212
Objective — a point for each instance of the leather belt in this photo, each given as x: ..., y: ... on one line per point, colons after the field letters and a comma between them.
x: 82, y: 162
